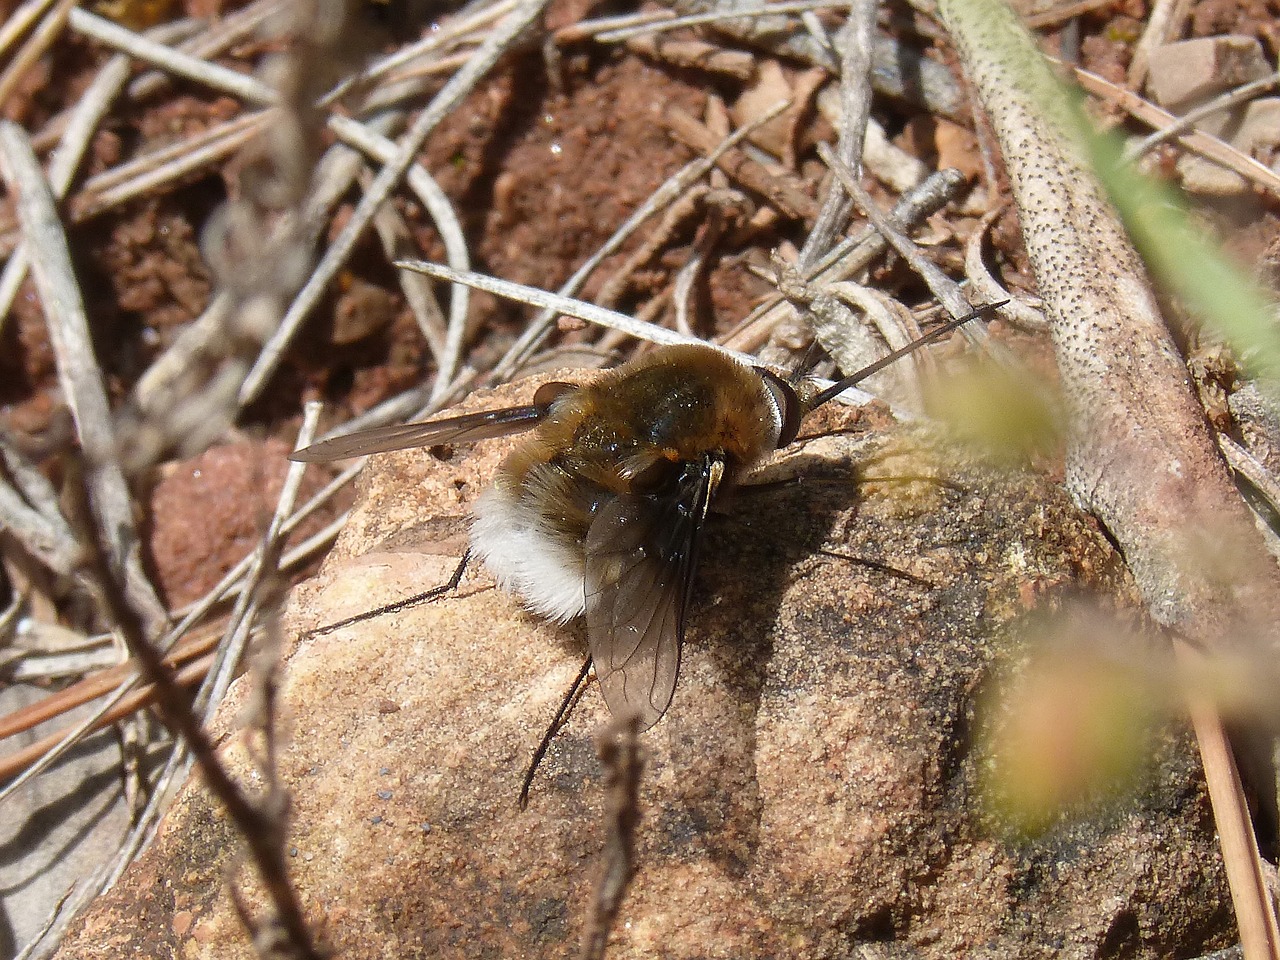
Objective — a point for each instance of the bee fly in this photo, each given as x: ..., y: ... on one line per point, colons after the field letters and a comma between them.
x: 600, y: 509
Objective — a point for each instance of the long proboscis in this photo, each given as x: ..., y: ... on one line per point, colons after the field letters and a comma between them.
x: 840, y: 386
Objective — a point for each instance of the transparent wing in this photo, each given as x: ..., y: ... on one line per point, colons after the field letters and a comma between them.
x: 640, y: 557
x: 464, y: 429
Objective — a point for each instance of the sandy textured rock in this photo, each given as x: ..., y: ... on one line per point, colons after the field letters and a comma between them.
x: 811, y: 788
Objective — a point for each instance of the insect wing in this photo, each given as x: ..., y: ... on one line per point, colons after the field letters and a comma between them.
x: 640, y: 557
x: 465, y: 429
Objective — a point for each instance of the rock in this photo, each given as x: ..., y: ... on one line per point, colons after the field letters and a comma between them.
x: 59, y: 827
x: 1254, y: 130
x: 812, y: 787
x: 1205, y: 178
x: 1185, y: 74
x: 198, y: 527
x: 1259, y: 133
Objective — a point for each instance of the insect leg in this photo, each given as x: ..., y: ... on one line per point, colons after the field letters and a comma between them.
x: 435, y: 593
x: 884, y: 568
x: 561, y: 717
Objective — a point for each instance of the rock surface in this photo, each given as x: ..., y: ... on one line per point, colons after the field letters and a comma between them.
x: 812, y: 787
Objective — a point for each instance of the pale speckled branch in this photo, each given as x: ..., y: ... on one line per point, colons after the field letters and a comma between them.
x: 1141, y: 455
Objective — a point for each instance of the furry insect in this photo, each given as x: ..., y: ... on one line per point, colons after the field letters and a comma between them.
x: 599, y: 511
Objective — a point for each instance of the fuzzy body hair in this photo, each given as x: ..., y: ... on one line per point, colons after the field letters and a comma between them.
x: 527, y: 556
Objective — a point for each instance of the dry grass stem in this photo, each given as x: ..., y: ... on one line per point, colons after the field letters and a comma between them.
x: 213, y: 38
x: 80, y: 127
x: 261, y: 826
x: 850, y: 256
x: 664, y: 21
x: 1184, y: 123
x: 19, y: 21
x: 940, y: 285
x: 466, y: 27
x: 566, y: 306
x: 988, y: 289
x: 1165, y: 24
x: 20, y: 761
x: 851, y: 130
x: 676, y: 215
x: 263, y: 568
x: 397, y: 243
x: 440, y: 208
x: 1060, y: 13
x: 896, y: 326
x: 30, y: 510
x: 171, y: 60
x: 165, y: 167
x: 781, y: 190
x: 461, y: 83
x: 1254, y: 905
x: 695, y: 55
x: 1196, y: 141
x: 51, y: 25
x: 1252, y: 471
x: 78, y: 371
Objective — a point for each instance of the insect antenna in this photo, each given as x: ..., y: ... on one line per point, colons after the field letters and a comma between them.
x: 937, y: 333
x: 553, y: 728
x: 435, y: 593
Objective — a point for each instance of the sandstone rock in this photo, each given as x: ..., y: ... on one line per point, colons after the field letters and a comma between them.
x: 811, y: 789
x: 1185, y: 74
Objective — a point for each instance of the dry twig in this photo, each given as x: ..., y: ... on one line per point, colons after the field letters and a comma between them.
x: 619, y: 749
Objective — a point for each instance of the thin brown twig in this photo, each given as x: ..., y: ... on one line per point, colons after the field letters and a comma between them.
x: 1249, y: 893
x: 619, y: 750
x: 95, y: 685
x: 260, y: 827
x: 186, y: 675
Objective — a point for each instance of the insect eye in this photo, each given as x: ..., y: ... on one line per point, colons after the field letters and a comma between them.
x: 655, y: 477
x: 549, y: 393
x: 787, y: 404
